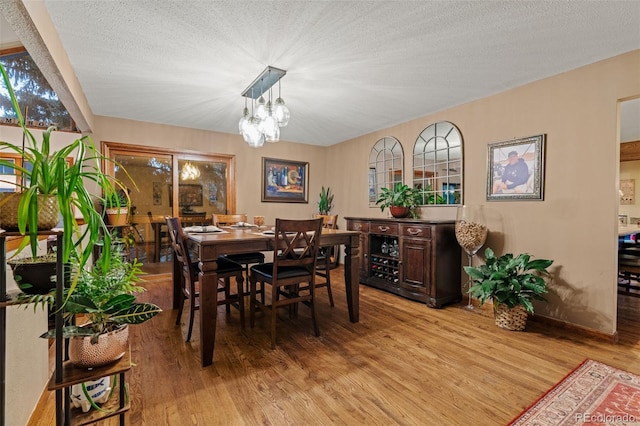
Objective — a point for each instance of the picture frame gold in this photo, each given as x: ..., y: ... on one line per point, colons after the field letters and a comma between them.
x: 285, y: 181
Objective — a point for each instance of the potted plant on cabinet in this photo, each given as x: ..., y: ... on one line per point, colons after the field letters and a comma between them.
x: 104, y: 298
x: 401, y: 200
x: 325, y: 204
x: 512, y: 283
x: 52, y: 180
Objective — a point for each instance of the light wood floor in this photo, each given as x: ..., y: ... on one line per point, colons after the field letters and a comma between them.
x: 403, y: 363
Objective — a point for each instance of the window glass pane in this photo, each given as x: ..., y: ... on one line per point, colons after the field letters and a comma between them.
x: 39, y: 103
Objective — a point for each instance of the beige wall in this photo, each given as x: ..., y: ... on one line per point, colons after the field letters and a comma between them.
x: 576, y: 223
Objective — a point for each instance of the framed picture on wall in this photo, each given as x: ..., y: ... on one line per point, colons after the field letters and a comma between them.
x: 285, y: 181
x: 515, y: 169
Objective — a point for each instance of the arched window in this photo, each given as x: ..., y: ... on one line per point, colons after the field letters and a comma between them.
x: 386, y: 166
x: 437, y: 164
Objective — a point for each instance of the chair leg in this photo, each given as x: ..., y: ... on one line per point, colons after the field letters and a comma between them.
x: 240, y: 288
x: 327, y: 271
x: 180, y: 309
x: 312, y: 305
x: 252, y: 301
x: 274, y: 314
x: 227, y: 294
x: 192, y: 314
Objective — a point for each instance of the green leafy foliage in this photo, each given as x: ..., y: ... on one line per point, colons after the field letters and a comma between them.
x: 50, y: 173
x: 105, y: 297
x: 401, y: 195
x: 326, y: 201
x: 510, y: 280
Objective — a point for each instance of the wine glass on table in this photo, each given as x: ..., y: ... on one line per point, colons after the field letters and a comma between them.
x: 471, y: 233
x: 258, y: 221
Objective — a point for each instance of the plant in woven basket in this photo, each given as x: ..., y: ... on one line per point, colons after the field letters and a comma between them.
x: 51, y: 177
x: 510, y: 280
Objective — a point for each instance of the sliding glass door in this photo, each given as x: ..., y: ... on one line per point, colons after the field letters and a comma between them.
x: 164, y: 183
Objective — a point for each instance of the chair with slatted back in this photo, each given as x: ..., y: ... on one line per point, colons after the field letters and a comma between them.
x: 289, y: 269
x: 327, y: 256
x: 245, y: 259
x: 190, y: 282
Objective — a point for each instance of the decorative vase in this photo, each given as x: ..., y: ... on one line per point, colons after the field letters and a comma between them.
x: 48, y: 211
x: 514, y: 319
x: 34, y: 276
x: 118, y: 216
x: 110, y: 348
x: 399, y: 211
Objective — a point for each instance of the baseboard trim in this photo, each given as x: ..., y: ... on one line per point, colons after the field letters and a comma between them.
x: 583, y: 331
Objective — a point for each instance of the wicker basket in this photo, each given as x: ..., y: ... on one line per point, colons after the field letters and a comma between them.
x: 48, y: 213
x: 512, y: 319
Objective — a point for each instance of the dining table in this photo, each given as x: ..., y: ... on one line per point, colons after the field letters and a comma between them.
x: 208, y: 246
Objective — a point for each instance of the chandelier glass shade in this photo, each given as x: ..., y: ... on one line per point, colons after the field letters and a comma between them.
x: 266, y: 118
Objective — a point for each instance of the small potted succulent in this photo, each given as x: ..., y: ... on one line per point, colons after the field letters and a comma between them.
x: 401, y: 200
x: 512, y: 282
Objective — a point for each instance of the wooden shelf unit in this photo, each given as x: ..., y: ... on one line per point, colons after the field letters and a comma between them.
x: 64, y: 375
x: 427, y: 266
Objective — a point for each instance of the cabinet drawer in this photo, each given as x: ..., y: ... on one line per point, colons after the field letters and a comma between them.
x: 358, y: 226
x: 418, y: 231
x: 383, y: 228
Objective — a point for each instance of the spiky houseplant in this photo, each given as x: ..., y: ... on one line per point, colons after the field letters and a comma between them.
x: 51, y: 174
x: 513, y: 281
x: 325, y: 204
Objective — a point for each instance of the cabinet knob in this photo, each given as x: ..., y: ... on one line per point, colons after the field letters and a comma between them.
x: 413, y: 231
x: 383, y: 228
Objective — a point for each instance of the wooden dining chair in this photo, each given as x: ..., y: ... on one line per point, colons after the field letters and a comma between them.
x: 191, y: 284
x: 164, y: 244
x: 245, y: 259
x: 327, y: 255
x: 289, y: 269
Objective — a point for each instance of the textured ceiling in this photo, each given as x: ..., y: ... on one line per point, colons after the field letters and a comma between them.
x: 352, y: 66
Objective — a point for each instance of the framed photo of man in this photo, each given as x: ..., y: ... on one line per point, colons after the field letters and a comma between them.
x: 515, y: 169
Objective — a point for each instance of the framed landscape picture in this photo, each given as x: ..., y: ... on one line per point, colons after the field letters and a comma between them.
x: 285, y: 181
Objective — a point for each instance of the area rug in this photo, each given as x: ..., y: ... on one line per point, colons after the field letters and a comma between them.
x: 593, y: 393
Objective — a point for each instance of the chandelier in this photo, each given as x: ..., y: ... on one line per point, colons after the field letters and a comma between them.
x: 189, y: 172
x: 266, y: 118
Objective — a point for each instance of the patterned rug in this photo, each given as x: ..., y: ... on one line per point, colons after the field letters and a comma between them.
x: 593, y: 393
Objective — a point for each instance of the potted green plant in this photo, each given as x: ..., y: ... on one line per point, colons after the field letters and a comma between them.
x: 116, y: 208
x: 512, y: 282
x: 104, y: 297
x: 51, y: 179
x: 401, y: 200
x: 325, y: 204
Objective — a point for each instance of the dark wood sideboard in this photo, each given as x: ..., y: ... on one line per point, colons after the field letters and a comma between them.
x: 426, y: 267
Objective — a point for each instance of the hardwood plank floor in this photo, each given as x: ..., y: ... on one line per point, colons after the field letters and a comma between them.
x: 403, y: 363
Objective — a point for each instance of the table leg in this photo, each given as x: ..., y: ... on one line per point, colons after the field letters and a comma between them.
x: 208, y: 310
x: 351, y: 279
